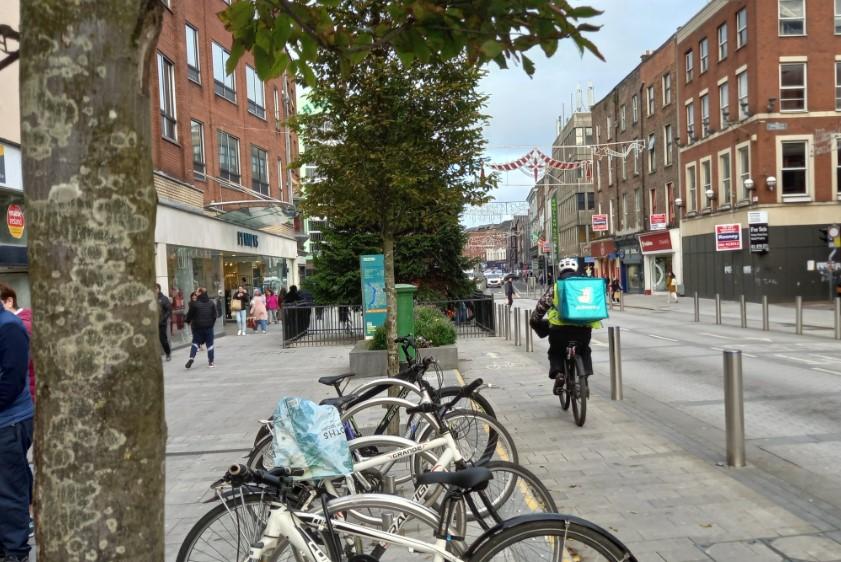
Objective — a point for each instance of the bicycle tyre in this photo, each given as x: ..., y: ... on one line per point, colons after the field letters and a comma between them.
x: 576, y: 535
x: 536, y: 495
x: 578, y: 380
x: 475, y: 399
x: 261, y: 450
x: 565, y: 396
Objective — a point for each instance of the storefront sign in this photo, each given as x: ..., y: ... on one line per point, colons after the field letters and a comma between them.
x: 658, y: 221
x: 374, y: 301
x: 555, y: 234
x: 247, y: 239
x: 728, y: 237
x: 656, y: 243
x: 546, y: 247
x: 599, y: 223
x: 15, y: 221
x: 602, y: 249
x: 758, y: 238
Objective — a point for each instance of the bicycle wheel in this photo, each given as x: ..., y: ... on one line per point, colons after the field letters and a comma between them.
x: 578, y: 381
x: 474, y: 401
x: 564, y: 396
x: 261, y: 455
x: 550, y: 537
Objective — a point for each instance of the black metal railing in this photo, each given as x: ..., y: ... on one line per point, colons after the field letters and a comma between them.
x: 314, y: 325
x: 472, y: 318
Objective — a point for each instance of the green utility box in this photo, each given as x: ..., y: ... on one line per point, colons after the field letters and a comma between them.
x: 405, y: 313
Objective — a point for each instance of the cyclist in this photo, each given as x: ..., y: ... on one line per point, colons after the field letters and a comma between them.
x: 560, y: 331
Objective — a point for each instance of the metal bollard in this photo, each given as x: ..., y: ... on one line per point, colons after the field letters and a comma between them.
x: 621, y: 301
x: 734, y: 408
x: 798, y: 315
x: 717, y: 308
x: 743, y: 310
x: 495, y: 312
x: 765, y: 324
x: 507, y: 322
x: 517, y: 327
x: 615, y: 352
x: 697, y: 308
x: 528, y: 329
x: 838, y: 318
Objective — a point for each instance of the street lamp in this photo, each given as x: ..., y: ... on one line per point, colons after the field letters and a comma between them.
x: 771, y: 182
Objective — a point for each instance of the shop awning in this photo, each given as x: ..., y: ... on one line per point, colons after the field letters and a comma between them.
x: 254, y: 213
x: 656, y: 243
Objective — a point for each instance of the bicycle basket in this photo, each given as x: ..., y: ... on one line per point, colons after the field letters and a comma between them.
x: 310, y: 437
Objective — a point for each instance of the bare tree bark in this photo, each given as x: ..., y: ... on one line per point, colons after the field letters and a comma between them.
x: 391, y: 300
x: 100, y: 431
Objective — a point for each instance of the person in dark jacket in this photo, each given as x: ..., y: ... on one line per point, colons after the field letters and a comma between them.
x: 202, y: 316
x: 164, y: 314
x: 16, y: 413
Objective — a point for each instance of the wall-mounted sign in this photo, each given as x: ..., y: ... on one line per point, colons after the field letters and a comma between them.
x: 758, y: 234
x: 658, y: 221
x: 374, y: 303
x: 656, y: 243
x: 247, y: 239
x: 776, y: 126
x: 546, y: 247
x: 15, y: 221
x: 599, y: 223
x: 757, y: 217
x: 728, y: 237
x: 2, y: 164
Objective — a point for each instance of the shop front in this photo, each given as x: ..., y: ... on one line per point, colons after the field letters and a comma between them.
x: 660, y: 258
x: 194, y: 250
x: 632, y: 273
x: 603, y: 252
x: 14, y: 265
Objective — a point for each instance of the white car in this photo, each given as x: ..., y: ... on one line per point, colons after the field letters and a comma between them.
x: 494, y: 281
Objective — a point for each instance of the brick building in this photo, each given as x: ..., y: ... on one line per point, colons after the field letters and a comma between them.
x: 221, y: 149
x: 488, y: 244
x: 760, y: 96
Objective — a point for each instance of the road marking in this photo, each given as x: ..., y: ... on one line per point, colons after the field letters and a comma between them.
x: 807, y: 361
x: 769, y: 340
x: 597, y: 342
x: 827, y: 357
x: 715, y: 336
x: 827, y: 371
x: 493, y: 355
x: 661, y: 338
x: 717, y: 348
x: 749, y: 355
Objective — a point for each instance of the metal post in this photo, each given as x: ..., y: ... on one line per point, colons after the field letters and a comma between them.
x: 528, y: 329
x: 507, y: 312
x: 798, y: 315
x: 743, y: 309
x: 495, y: 312
x: 621, y: 301
x: 615, y: 353
x: 838, y: 318
x: 697, y: 308
x: 765, y: 324
x: 717, y: 308
x: 734, y: 412
x: 517, y: 326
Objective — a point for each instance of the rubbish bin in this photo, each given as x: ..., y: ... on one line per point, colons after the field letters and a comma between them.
x: 405, y: 312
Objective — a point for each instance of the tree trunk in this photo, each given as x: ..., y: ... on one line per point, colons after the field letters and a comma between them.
x: 100, y: 432
x: 391, y: 296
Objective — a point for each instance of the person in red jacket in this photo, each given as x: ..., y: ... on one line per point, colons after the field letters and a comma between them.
x: 10, y: 303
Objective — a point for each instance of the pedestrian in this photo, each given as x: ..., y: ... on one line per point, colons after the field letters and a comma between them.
x: 201, y: 315
x: 239, y: 306
x: 10, y: 303
x: 16, y: 413
x: 164, y: 314
x: 671, y: 286
x: 259, y: 312
x: 509, y: 291
x: 272, y: 305
x: 615, y: 289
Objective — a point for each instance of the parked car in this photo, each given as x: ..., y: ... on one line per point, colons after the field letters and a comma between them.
x: 494, y: 281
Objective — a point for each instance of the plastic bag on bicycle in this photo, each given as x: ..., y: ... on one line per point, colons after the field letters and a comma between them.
x: 310, y: 437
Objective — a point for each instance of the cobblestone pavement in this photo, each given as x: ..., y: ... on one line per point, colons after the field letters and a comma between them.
x: 622, y: 470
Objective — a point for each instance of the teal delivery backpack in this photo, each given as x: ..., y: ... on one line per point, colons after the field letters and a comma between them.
x: 582, y: 299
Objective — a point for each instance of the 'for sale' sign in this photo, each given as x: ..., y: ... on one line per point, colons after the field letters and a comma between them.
x: 600, y: 223
x: 728, y: 237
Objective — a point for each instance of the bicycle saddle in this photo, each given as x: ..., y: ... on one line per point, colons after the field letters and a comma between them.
x: 474, y: 479
x: 339, y: 402
x: 332, y: 380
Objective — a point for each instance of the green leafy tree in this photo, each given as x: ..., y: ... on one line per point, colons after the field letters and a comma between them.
x: 292, y: 35
x: 393, y: 142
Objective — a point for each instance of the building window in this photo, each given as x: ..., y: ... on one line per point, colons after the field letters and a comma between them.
x: 609, y: 170
x: 722, y: 41
x: 794, y: 169
x: 668, y: 142
x: 704, y: 55
x: 635, y: 110
x: 792, y: 17
x: 724, y: 105
x: 691, y: 189
x: 705, y: 115
x: 624, y: 168
x: 255, y: 92
x: 670, y: 202
x: 625, y: 210
x: 224, y: 84
x: 197, y: 138
x: 793, y: 86
x: 276, y: 110
x: 742, y: 92
x: 193, y: 66
x: 690, y: 121
x: 667, y: 88
x: 652, y: 200
x: 837, y: 17
x: 259, y: 170
x: 650, y: 100
x: 166, y: 93
x: 743, y: 170
x: 741, y: 28
x: 622, y: 118
x: 609, y: 129
x: 706, y: 181
x: 228, y: 156
x: 838, y: 85
x: 689, y: 65
x: 724, y: 174
x: 652, y: 153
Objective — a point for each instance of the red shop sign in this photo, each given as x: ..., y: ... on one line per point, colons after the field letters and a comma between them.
x: 655, y: 243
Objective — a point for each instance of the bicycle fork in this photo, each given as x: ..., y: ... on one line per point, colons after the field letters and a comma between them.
x: 281, y: 525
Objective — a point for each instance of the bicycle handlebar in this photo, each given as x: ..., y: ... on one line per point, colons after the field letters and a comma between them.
x: 274, y: 477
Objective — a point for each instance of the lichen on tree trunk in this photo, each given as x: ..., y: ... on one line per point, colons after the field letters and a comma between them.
x: 100, y: 432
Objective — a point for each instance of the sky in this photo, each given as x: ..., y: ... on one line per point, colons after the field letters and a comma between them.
x: 523, y: 111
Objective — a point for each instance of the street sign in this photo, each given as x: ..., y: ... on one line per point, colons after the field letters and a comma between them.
x: 758, y: 234
x: 374, y: 304
x: 728, y: 237
x: 599, y: 223
x: 658, y: 221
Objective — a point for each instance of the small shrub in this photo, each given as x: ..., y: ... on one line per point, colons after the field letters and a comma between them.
x: 379, y: 341
x: 432, y: 324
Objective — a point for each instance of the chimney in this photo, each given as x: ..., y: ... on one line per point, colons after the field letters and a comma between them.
x: 645, y: 55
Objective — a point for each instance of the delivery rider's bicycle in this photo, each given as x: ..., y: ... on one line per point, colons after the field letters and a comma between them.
x: 571, y: 385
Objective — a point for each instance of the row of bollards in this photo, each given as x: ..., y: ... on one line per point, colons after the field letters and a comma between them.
x: 520, y: 332
x: 766, y: 325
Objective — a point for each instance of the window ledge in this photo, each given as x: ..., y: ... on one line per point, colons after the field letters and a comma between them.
x: 792, y: 35
x: 220, y: 96
x: 797, y: 198
x: 743, y: 203
x: 725, y: 207
x: 706, y: 211
x: 171, y: 141
x: 196, y: 82
x: 691, y: 214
